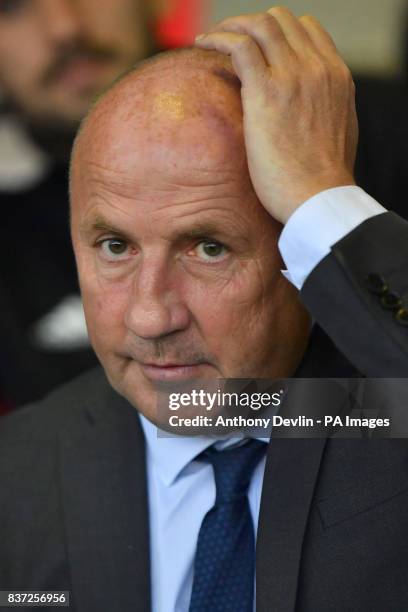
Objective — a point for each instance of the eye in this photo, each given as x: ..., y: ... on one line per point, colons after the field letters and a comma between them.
x: 10, y: 7
x: 211, y: 251
x: 114, y: 249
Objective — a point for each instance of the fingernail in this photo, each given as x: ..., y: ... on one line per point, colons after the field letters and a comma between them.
x: 200, y: 36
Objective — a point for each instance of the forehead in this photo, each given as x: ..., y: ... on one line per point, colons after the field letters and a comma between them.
x: 165, y: 100
x: 168, y: 199
x: 165, y: 153
x: 159, y: 195
x: 165, y: 132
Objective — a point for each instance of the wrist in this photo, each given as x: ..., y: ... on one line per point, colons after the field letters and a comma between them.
x: 305, y: 192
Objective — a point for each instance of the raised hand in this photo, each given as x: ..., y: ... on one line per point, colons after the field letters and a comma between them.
x: 298, y: 98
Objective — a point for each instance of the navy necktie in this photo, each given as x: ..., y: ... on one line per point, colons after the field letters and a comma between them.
x: 224, y: 565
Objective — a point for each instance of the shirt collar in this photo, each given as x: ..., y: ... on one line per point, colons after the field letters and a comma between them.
x: 172, y: 453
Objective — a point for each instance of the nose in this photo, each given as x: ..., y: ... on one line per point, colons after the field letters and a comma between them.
x: 156, y: 306
x: 61, y: 19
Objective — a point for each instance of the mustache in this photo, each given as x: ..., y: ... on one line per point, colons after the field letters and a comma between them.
x: 72, y: 52
x: 166, y: 351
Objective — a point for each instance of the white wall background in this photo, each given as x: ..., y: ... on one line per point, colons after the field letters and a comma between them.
x: 367, y: 32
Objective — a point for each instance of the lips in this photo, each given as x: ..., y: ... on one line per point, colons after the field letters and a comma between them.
x: 173, y: 371
x: 80, y: 72
x: 169, y: 365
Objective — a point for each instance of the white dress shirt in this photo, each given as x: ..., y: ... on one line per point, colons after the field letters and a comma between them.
x: 181, y: 491
x: 318, y: 224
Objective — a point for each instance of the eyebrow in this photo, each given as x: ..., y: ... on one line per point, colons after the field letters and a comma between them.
x: 99, y: 224
x: 199, y: 230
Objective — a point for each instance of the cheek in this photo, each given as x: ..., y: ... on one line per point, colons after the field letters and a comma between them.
x: 254, y: 339
x: 20, y: 64
x: 230, y: 310
x: 105, y: 305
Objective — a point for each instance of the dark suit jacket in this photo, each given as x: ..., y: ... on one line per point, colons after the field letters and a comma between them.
x: 333, y: 529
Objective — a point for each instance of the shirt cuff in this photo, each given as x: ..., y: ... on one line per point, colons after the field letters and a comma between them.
x: 318, y: 224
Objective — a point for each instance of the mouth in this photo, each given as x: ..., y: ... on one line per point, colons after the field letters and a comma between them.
x: 80, y: 73
x: 173, y: 371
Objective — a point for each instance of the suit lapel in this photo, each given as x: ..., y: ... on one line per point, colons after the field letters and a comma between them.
x: 290, y: 476
x: 291, y: 473
x: 104, y: 495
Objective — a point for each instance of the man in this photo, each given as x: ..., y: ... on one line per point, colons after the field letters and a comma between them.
x: 55, y: 57
x: 180, y: 178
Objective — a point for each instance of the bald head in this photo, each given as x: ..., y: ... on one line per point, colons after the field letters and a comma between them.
x: 180, y: 89
x: 180, y: 63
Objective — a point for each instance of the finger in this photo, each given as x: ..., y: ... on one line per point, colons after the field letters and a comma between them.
x: 294, y: 32
x: 247, y: 58
x: 265, y: 31
x: 321, y: 39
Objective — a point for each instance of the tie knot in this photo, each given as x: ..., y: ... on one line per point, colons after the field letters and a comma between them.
x: 233, y: 468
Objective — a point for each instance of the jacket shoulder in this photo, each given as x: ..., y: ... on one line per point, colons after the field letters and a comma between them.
x: 358, y: 294
x: 37, y: 424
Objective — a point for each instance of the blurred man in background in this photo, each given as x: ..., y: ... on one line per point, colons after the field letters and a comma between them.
x: 55, y: 57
